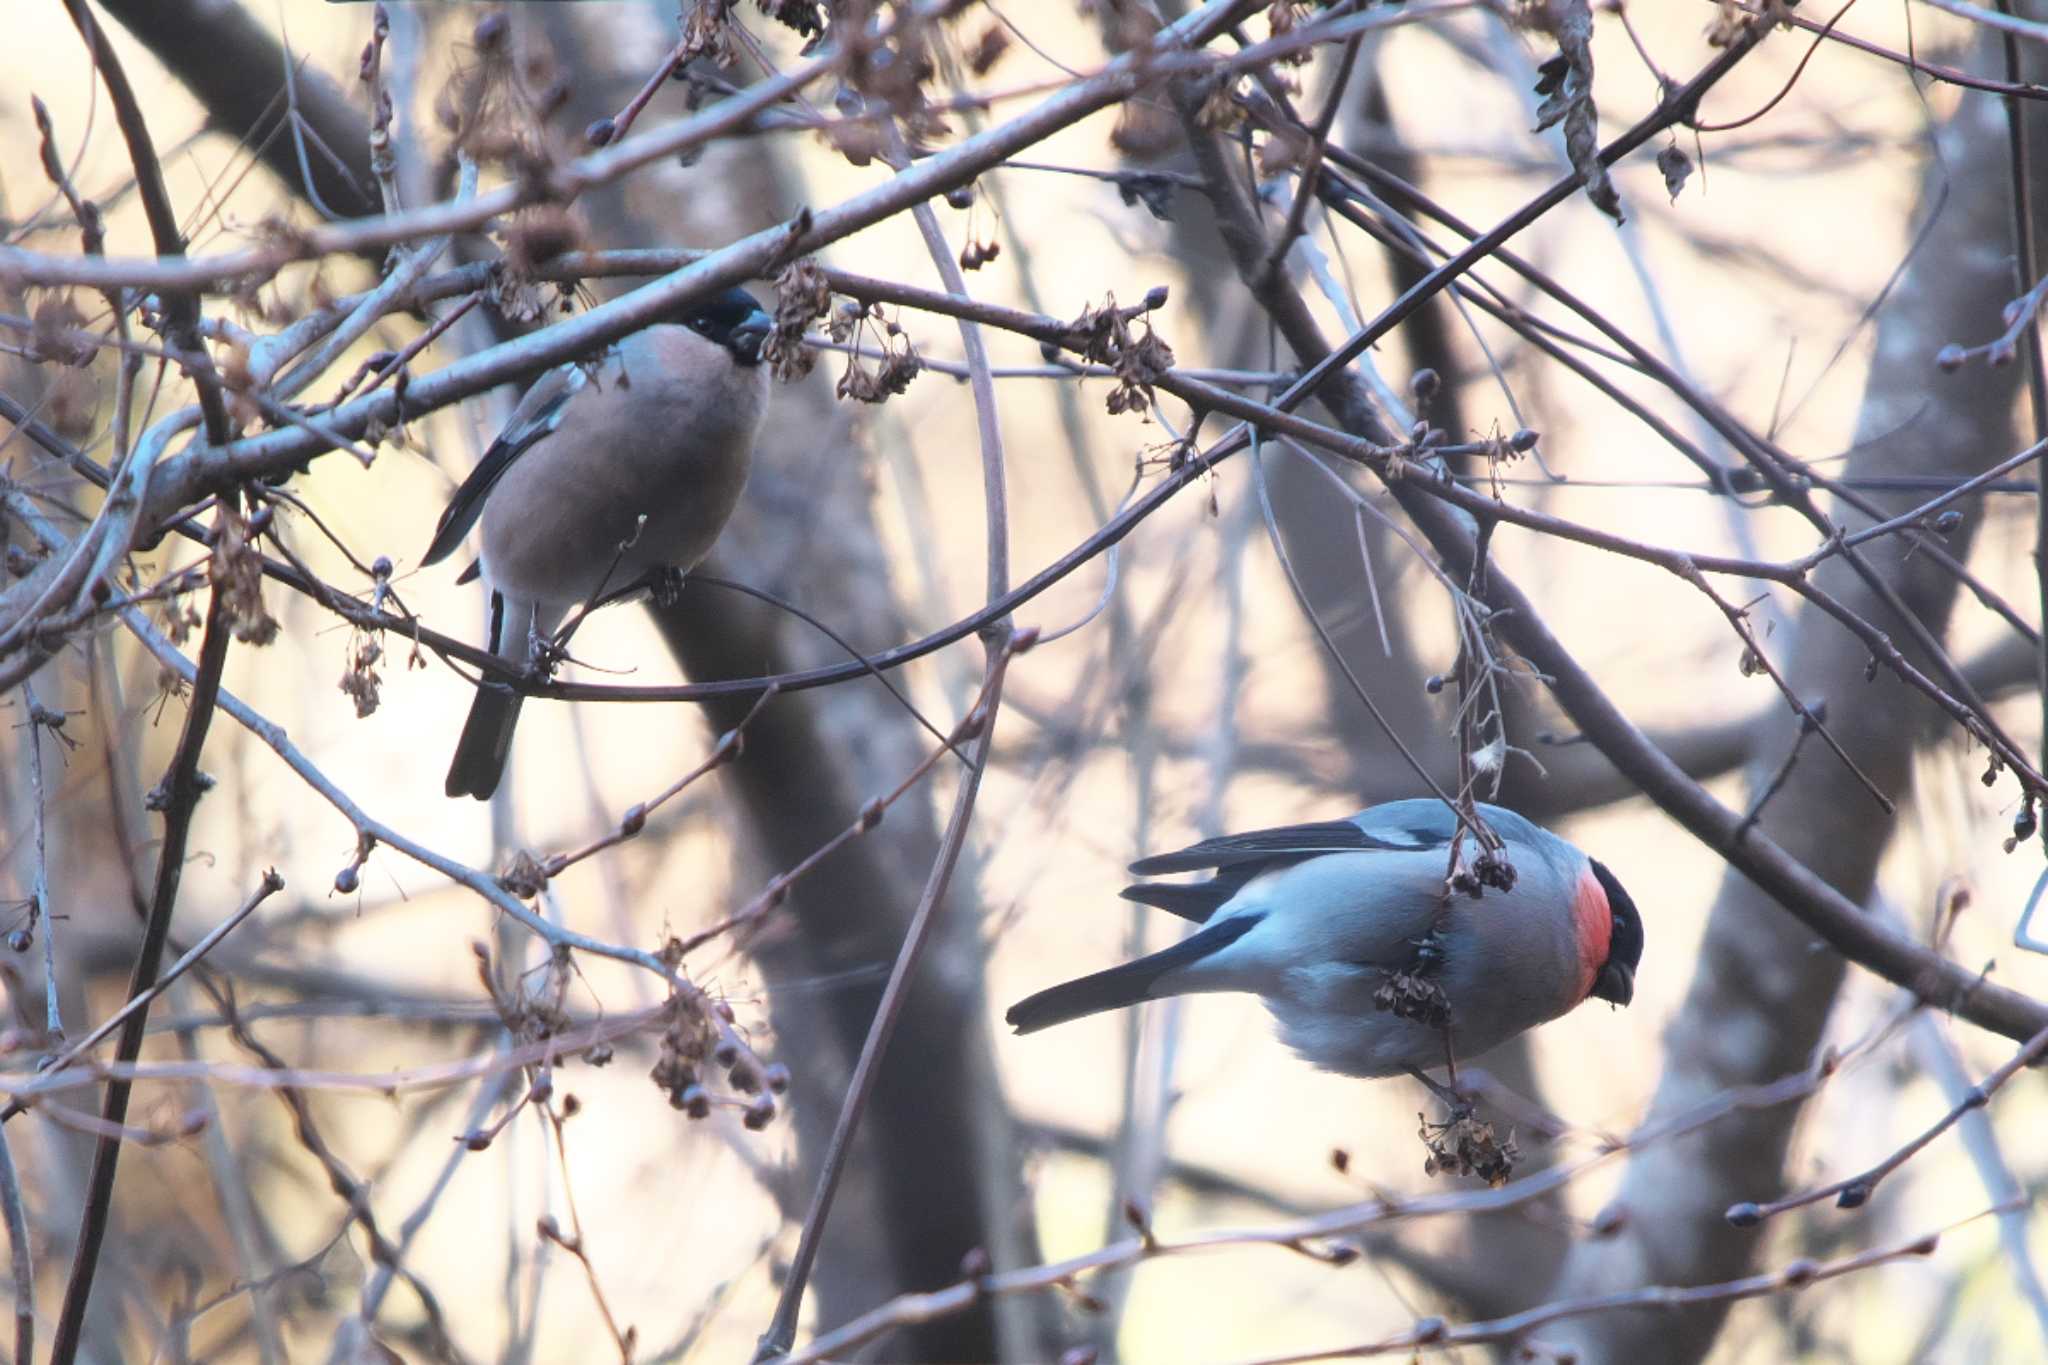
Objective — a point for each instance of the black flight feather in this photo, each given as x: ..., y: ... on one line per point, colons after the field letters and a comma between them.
x: 468, y: 503
x: 1125, y: 985
x: 1195, y: 903
x: 1290, y: 841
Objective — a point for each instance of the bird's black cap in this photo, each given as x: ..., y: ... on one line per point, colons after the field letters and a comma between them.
x: 1617, y: 977
x: 732, y: 319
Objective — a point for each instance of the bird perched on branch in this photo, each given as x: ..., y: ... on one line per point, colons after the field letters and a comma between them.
x: 608, y: 475
x: 1370, y: 965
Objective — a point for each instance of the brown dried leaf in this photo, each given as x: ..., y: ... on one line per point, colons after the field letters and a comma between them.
x: 360, y: 680
x: 801, y: 296
x: 58, y: 333
x: 707, y: 32
x: 1676, y: 167
x: 1566, y: 84
x: 236, y: 571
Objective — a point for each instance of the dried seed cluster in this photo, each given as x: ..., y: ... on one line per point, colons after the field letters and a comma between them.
x: 236, y: 568
x: 801, y: 297
x: 1103, y: 335
x: 360, y: 680
x: 892, y: 373
x: 1465, y: 1146
x: 1406, y: 995
x: 693, y: 1042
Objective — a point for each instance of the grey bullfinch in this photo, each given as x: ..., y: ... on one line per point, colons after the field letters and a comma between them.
x: 1344, y: 928
x: 660, y: 426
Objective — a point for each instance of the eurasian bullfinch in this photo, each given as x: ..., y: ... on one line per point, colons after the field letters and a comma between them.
x: 661, y: 426
x: 1345, y: 930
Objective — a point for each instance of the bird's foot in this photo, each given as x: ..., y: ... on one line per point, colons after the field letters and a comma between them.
x: 544, y: 654
x: 665, y: 585
x: 1457, y: 1101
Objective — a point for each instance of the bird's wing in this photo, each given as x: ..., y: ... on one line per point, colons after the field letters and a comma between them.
x: 1194, y: 903
x: 1291, y: 842
x: 537, y: 415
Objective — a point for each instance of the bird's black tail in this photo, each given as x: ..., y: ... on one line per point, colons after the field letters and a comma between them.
x: 486, y: 742
x: 1125, y: 985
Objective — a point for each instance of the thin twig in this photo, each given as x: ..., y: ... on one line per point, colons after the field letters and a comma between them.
x: 781, y: 1329
x: 1783, y: 774
x: 271, y: 884
x: 181, y: 790
x: 353, y: 1193
x: 371, y: 834
x: 40, y: 908
x: 1434, y: 1334
x: 1938, y: 1057
x: 1809, y: 719
x: 1179, y: 46
x: 181, y: 307
x: 21, y: 1254
x: 723, y: 751
x: 1855, y: 1191
x: 1001, y: 644
x: 1304, y: 184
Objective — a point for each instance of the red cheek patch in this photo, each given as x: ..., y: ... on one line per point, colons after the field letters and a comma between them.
x: 1593, y: 921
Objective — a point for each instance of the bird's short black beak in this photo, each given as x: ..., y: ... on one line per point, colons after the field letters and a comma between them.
x: 1616, y: 982
x: 747, y: 336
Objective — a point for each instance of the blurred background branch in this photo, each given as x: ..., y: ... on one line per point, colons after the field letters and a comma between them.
x: 1099, y: 246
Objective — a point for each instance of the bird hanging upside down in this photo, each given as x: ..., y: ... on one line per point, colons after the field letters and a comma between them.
x: 1345, y: 930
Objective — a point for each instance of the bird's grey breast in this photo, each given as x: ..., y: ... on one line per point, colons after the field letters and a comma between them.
x: 662, y: 428
x: 706, y: 409
x: 1510, y: 958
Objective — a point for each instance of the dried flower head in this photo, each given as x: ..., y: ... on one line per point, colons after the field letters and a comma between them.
x: 1465, y: 1146
x: 523, y: 876
x: 71, y: 404
x: 236, y: 571
x: 801, y: 296
x: 1406, y: 995
x: 359, y: 680
x: 859, y: 140
x: 495, y: 104
x: 708, y: 32
x: 898, y: 363
x: 889, y: 378
x: 57, y: 333
x: 1220, y: 112
x: 1281, y: 150
x: 1104, y: 335
x: 533, y: 1005
x: 1284, y: 17
x: 538, y: 235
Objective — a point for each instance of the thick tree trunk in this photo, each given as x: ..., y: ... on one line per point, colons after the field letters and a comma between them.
x: 936, y: 1171
x: 1762, y: 988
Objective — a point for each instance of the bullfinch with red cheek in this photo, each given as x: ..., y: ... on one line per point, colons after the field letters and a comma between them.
x: 660, y: 427
x: 1319, y: 920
